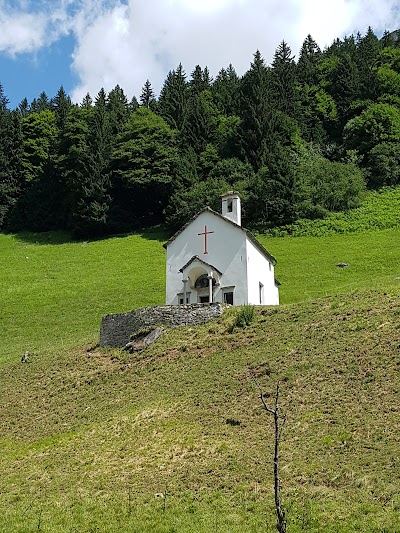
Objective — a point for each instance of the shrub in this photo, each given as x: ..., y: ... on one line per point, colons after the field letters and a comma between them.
x: 245, y: 316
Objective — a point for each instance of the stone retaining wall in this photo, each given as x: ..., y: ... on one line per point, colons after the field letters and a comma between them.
x: 117, y: 329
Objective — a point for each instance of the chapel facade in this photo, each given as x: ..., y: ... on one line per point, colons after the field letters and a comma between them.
x: 214, y: 259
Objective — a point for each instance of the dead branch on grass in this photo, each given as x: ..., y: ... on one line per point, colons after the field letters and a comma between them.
x: 279, y: 423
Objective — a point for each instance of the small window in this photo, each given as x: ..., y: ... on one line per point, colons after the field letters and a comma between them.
x: 204, y: 299
x: 261, y: 292
x: 228, y: 298
x: 230, y: 206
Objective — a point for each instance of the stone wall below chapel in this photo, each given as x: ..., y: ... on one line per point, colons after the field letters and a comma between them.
x: 116, y: 329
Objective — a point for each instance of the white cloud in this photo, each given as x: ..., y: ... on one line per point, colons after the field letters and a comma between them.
x: 26, y: 26
x: 21, y: 32
x: 130, y: 43
x: 126, y: 42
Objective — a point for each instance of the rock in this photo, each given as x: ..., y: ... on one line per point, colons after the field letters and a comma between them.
x: 342, y: 265
x: 141, y: 342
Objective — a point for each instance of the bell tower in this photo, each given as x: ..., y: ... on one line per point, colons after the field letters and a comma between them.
x: 231, y: 208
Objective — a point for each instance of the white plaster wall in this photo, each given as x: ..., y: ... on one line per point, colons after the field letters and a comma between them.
x: 226, y: 251
x: 258, y: 272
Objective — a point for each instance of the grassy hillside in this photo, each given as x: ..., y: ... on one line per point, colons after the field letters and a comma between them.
x: 54, y: 293
x: 379, y: 210
x: 92, y: 441
x: 173, y: 439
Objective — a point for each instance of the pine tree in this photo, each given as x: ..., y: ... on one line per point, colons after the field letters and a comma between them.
x: 346, y: 86
x: 133, y: 104
x: 256, y: 112
x: 309, y: 56
x: 200, y: 81
x: 89, y: 217
x: 174, y: 98
x: 148, y: 96
x: 3, y: 99
x: 61, y: 105
x: 10, y: 163
x: 284, y: 80
x: 83, y: 210
x: 272, y: 192
x: 368, y: 51
x: 201, y: 124
x: 43, y: 103
x: 34, y: 107
x: 386, y: 39
x: 23, y: 108
x: 118, y: 110
x: 87, y: 102
x: 226, y: 91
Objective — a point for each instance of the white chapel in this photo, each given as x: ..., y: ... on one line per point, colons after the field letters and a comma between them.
x: 214, y: 259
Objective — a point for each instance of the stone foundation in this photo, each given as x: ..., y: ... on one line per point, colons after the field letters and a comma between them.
x: 116, y: 330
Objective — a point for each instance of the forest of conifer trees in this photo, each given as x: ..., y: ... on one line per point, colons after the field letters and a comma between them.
x: 297, y: 138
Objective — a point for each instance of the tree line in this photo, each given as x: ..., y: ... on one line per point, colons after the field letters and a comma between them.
x: 297, y: 138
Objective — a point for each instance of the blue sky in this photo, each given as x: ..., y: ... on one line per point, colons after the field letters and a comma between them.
x: 88, y: 44
x: 27, y: 74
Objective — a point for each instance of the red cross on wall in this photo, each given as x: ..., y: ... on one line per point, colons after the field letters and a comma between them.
x: 205, y: 233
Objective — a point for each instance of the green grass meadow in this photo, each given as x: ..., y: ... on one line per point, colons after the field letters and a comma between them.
x: 173, y: 439
x: 53, y: 295
x: 53, y: 292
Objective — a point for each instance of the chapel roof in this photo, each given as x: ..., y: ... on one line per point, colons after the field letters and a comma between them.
x: 197, y: 258
x: 248, y: 233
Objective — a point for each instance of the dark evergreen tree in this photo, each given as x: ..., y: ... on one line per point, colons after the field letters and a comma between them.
x: 10, y: 163
x: 257, y: 113
x: 86, y: 195
x: 386, y: 39
x: 200, y: 81
x: 34, y: 107
x: 3, y: 99
x: 200, y: 127
x: 87, y: 102
x: 342, y: 83
x: 318, y: 113
x: 92, y: 201
x: 118, y: 110
x: 174, y: 98
x: 23, y: 107
x: 61, y: 105
x: 43, y: 103
x: 309, y: 57
x: 272, y: 191
x: 368, y: 51
x: 148, y: 96
x: 271, y: 195
x: 226, y: 91
x: 283, y: 78
x: 133, y: 104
